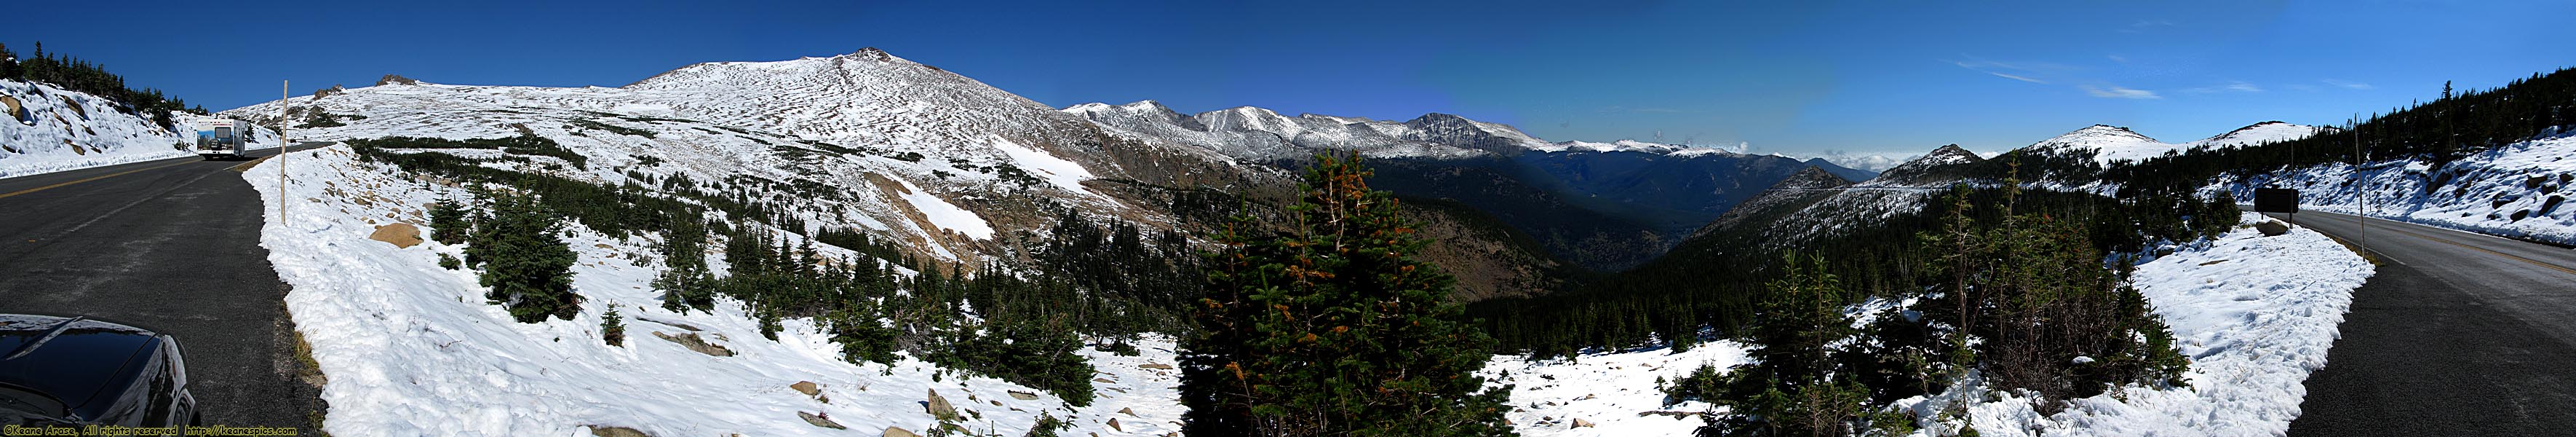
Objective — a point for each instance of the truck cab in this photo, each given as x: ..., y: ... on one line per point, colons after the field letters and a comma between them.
x: 221, y: 138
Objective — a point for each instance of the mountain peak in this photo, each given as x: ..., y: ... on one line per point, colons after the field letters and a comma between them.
x: 1811, y: 178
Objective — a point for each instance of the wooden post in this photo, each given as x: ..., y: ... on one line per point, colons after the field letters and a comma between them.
x: 284, y: 98
x: 2361, y: 200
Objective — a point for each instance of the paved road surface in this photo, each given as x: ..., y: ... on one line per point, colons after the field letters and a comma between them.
x: 170, y: 245
x: 2458, y: 334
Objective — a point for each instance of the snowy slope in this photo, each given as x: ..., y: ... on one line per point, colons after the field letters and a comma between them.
x: 55, y: 129
x: 410, y: 348
x: 2255, y: 314
x: 2256, y: 134
x: 1613, y: 391
x: 2110, y: 144
x: 937, y: 162
x: 2516, y: 190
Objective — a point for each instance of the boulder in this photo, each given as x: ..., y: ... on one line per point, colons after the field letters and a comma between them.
x: 819, y: 420
x: 809, y: 388
x: 1025, y: 396
x: 616, y: 431
x: 1155, y: 366
x: 939, y: 407
x: 1130, y: 412
x: 396, y: 79
x: 691, y: 341
x: 2272, y: 228
x: 1113, y: 425
x: 1580, y: 423
x: 401, y: 235
x: 897, y: 431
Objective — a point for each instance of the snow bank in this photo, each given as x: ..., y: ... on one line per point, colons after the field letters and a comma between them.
x: 2255, y: 314
x: 57, y: 130
x: 2515, y: 190
x: 410, y: 348
x: 1614, y: 391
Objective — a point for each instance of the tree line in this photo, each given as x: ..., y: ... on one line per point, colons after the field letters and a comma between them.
x: 78, y: 75
x: 2440, y: 131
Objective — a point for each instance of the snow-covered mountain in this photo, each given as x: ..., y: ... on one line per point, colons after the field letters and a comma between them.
x: 51, y: 129
x: 1253, y: 133
x: 939, y: 162
x: 2257, y: 134
x: 2109, y: 144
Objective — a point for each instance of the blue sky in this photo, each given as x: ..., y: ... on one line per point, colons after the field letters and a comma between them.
x: 1896, y: 77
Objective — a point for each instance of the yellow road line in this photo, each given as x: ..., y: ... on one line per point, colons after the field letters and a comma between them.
x: 2502, y: 254
x: 60, y: 185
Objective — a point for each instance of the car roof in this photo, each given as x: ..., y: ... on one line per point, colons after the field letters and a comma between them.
x: 70, y: 359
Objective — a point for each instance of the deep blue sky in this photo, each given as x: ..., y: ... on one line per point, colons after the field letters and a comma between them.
x: 1899, y: 77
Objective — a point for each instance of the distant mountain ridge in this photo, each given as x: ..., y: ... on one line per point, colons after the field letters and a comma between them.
x: 1604, y: 206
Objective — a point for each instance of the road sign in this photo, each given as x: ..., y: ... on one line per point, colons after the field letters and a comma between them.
x: 2280, y: 200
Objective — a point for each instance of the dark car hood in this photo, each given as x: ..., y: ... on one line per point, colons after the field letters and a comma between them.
x: 73, y: 366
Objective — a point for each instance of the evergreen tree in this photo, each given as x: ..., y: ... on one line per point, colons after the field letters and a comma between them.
x: 1331, y: 328
x: 525, y: 260
x: 447, y: 222
x: 612, y: 329
x: 1795, y: 384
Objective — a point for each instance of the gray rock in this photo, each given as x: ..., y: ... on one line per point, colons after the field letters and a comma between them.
x: 939, y: 407
x: 820, y: 420
x: 616, y: 431
x: 1025, y: 396
x: 691, y: 341
x: 2272, y: 228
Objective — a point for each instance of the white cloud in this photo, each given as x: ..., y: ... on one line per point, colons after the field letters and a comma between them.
x: 2235, y: 86
x: 2118, y: 92
x: 2019, y: 78
x: 2352, y: 85
x: 1990, y: 67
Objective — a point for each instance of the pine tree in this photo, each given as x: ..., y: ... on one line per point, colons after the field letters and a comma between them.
x: 1796, y: 383
x: 1332, y: 328
x: 612, y: 329
x: 525, y: 260
x: 447, y: 222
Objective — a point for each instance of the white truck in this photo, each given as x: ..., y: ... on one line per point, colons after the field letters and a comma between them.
x: 221, y: 137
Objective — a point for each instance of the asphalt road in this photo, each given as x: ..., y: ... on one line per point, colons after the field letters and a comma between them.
x: 2457, y: 334
x: 173, y: 246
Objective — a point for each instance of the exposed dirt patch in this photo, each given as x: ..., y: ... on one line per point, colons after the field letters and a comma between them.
x: 401, y: 235
x: 17, y: 112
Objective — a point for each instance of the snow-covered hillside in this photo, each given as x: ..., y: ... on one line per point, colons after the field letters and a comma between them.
x: 410, y: 348
x: 2111, y: 144
x: 938, y: 162
x: 2516, y: 190
x: 50, y: 129
x: 2255, y: 314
